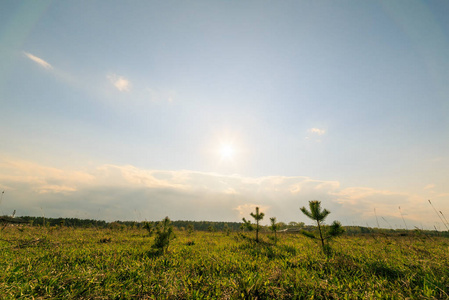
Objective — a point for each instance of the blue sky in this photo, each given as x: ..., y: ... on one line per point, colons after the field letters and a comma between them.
x: 118, y: 110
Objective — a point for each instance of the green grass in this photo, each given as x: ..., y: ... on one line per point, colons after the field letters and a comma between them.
x: 72, y: 263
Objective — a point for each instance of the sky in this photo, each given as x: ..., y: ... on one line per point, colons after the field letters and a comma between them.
x: 203, y: 110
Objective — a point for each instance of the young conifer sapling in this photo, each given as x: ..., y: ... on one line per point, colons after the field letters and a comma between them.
x: 258, y: 217
x: 164, y: 233
x: 274, y: 227
x: 319, y: 215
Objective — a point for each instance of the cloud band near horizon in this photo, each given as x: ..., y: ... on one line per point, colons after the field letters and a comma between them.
x: 113, y: 192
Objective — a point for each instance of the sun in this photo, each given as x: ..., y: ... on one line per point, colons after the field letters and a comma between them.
x: 227, y: 152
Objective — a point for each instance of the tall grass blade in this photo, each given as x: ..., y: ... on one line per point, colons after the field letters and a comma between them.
x: 388, y: 223
x: 377, y: 220
x: 444, y: 217
x: 403, y: 218
x: 1, y: 199
x: 445, y: 225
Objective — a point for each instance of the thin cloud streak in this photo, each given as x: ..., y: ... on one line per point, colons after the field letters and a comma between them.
x: 38, y: 60
x: 121, y: 83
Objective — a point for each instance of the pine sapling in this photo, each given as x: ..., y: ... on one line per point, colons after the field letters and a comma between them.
x: 164, y: 233
x: 226, y: 229
x: 211, y: 228
x: 274, y: 227
x: 247, y: 225
x: 325, y: 232
x: 190, y: 229
x: 258, y: 217
x: 149, y: 227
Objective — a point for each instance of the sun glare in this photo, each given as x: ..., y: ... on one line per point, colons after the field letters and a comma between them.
x: 227, y: 152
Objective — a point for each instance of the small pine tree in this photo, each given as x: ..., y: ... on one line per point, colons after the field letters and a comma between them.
x: 226, y: 229
x: 149, y: 227
x: 247, y: 225
x: 258, y: 217
x: 190, y: 229
x: 274, y: 227
x: 325, y: 234
x: 164, y: 233
x: 211, y: 228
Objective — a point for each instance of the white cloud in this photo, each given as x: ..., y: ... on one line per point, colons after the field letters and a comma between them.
x: 119, y: 191
x: 361, y: 201
x: 40, y: 179
x: 121, y: 83
x: 38, y: 60
x: 44, y: 189
x: 317, y: 131
x: 246, y: 209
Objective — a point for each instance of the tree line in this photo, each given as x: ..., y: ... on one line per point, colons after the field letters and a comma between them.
x: 214, y: 226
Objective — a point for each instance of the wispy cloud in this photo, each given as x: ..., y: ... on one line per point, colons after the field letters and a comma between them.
x: 121, y: 83
x: 314, y: 134
x: 38, y: 60
x: 317, y: 131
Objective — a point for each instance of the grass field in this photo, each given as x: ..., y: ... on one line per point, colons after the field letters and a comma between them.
x: 68, y: 263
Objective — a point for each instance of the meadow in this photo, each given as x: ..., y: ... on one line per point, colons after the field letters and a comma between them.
x: 104, y: 263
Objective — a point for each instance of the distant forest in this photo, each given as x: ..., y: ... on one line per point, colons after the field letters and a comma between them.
x: 215, y: 226
x: 85, y: 223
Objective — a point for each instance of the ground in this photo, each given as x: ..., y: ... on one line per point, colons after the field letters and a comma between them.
x: 95, y: 263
